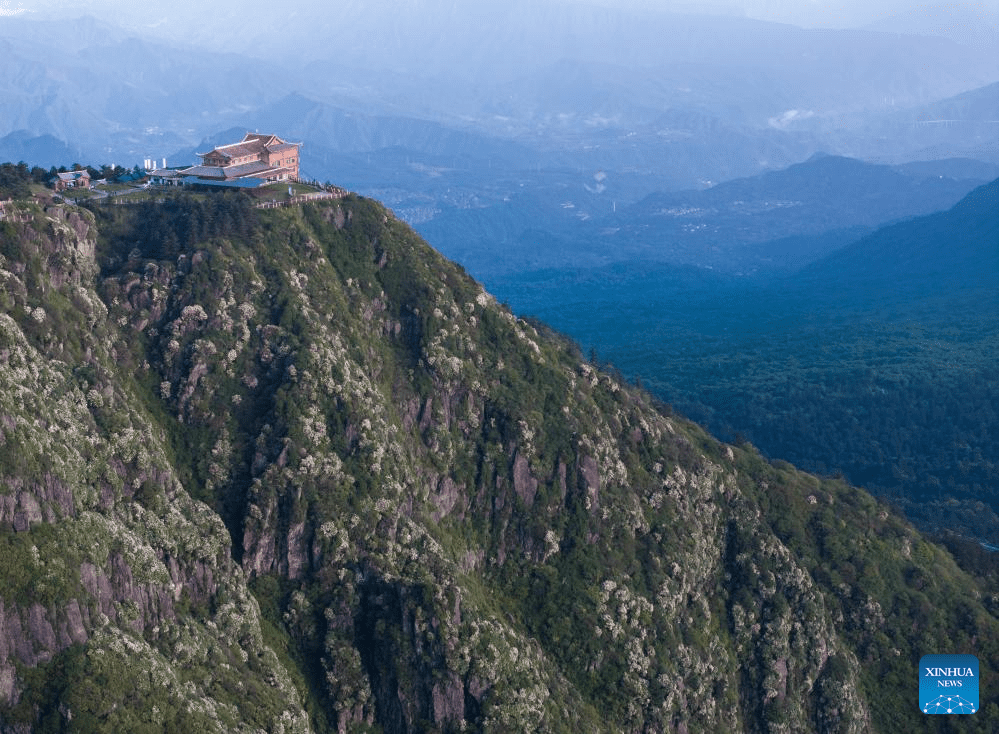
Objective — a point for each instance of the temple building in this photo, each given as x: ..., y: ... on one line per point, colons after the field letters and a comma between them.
x: 254, y: 161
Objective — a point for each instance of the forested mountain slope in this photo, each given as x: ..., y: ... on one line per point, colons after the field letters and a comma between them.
x: 952, y: 253
x: 294, y: 471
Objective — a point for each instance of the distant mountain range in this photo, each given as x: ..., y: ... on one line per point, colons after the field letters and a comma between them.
x: 520, y: 136
x: 739, y: 221
x: 596, y: 85
x: 968, y: 23
x: 775, y: 222
x: 965, y: 125
x: 41, y: 150
x: 957, y: 248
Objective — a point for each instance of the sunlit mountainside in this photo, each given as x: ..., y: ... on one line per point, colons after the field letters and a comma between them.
x: 292, y: 470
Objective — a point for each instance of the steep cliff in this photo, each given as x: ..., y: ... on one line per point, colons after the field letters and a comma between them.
x: 121, y: 608
x: 447, y: 518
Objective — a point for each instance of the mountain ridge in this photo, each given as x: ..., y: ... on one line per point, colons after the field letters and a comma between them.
x: 933, y: 254
x: 767, y: 225
x: 446, y: 517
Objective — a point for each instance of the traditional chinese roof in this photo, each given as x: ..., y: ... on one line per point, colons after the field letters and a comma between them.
x: 264, y: 139
x: 204, y: 171
x: 253, y: 143
x: 235, y: 150
x: 257, y: 169
x: 277, y: 148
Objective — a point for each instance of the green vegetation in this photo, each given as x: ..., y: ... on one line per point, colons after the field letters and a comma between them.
x: 16, y: 180
x: 418, y: 512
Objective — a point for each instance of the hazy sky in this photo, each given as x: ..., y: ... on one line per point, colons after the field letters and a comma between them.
x: 825, y: 13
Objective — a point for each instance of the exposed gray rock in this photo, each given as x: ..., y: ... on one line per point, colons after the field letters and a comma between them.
x: 446, y: 497
x: 298, y: 559
x: 524, y: 483
x: 590, y: 470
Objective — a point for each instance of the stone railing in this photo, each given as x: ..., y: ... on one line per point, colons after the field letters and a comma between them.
x: 330, y: 192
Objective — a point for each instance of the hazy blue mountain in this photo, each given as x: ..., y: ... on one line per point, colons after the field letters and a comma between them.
x: 532, y: 71
x: 575, y: 133
x: 350, y: 131
x: 678, y: 149
x: 775, y: 222
x: 510, y: 134
x: 119, y: 98
x: 971, y: 24
x: 964, y: 125
x: 957, y: 168
x: 949, y: 255
x: 977, y: 105
x: 725, y: 226
x: 41, y: 150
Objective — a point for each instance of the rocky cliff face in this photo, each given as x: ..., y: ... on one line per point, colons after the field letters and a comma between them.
x: 121, y: 608
x: 307, y: 475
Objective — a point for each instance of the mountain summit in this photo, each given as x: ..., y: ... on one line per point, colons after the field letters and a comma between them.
x: 292, y: 470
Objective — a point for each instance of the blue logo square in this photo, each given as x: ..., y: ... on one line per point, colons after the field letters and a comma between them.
x: 948, y: 684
